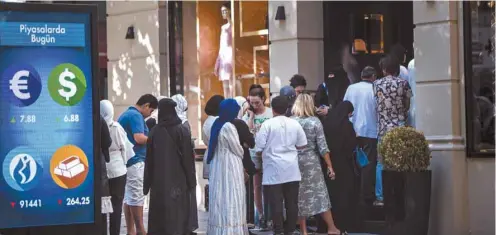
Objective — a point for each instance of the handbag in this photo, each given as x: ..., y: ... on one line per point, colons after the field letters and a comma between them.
x: 361, y: 157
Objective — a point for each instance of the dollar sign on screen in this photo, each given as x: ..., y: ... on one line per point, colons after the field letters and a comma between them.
x: 67, y: 84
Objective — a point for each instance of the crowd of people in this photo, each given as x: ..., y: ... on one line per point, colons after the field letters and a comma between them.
x: 303, y: 157
x: 299, y: 154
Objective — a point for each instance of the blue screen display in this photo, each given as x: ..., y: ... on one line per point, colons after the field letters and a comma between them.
x: 46, y: 145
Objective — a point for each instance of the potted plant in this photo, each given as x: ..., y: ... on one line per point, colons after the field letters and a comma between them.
x: 406, y: 181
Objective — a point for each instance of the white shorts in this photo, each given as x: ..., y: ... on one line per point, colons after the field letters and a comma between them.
x: 133, y: 195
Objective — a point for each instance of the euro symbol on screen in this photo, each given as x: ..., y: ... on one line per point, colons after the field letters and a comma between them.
x: 18, y: 86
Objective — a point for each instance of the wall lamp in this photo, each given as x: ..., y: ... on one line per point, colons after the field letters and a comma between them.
x: 130, y: 32
x: 281, y: 13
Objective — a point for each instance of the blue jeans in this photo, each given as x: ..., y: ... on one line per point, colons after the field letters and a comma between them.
x: 378, y: 176
x: 378, y: 182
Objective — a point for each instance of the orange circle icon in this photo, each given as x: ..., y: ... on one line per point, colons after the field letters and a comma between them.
x: 69, y: 166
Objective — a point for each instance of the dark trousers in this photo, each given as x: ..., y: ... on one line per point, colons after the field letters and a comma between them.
x: 278, y: 195
x: 117, y: 186
x: 367, y: 176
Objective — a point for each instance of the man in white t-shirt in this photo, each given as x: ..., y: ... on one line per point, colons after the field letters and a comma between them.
x: 277, y: 143
x: 254, y: 117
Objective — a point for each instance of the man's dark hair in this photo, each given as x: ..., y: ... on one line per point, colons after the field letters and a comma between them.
x: 368, y: 72
x: 390, y: 64
x: 148, y: 99
x: 253, y: 86
x: 398, y: 51
x: 280, y: 104
x: 258, y: 91
x: 297, y: 80
x: 227, y: 5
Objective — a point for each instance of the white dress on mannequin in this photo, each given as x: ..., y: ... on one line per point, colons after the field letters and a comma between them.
x: 224, y: 63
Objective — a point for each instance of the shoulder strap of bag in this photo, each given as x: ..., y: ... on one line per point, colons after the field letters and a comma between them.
x: 174, y: 142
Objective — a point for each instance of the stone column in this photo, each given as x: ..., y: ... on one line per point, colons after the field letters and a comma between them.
x: 296, y: 44
x: 439, y: 96
x: 140, y: 65
x: 193, y: 94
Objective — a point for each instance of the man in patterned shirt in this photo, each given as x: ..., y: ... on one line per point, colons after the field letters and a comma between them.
x: 392, y: 95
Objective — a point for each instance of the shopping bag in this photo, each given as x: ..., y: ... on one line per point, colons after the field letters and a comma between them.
x: 361, y: 157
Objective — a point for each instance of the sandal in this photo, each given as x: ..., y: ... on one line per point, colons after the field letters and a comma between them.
x: 336, y: 232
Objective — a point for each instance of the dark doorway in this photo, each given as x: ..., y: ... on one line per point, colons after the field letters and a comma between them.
x: 370, y: 29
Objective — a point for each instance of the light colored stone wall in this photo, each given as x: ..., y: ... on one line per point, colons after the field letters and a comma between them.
x: 296, y: 44
x: 138, y: 66
x: 191, y: 68
x: 460, y: 202
x: 481, y: 196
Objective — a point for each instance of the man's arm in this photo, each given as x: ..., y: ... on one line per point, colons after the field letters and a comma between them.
x: 138, y: 129
x: 261, y: 140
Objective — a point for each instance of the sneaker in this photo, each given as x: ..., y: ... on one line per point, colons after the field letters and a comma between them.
x: 379, y: 203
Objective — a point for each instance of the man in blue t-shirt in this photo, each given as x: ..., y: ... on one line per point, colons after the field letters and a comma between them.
x: 133, y: 122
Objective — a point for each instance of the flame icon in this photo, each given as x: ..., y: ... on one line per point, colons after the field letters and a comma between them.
x: 23, y: 168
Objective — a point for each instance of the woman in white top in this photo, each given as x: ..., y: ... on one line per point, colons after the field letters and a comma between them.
x: 212, y: 110
x: 120, y: 151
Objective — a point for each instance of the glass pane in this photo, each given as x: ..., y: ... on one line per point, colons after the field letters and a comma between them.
x: 375, y: 33
x: 232, y: 54
x: 483, y: 75
x: 368, y: 34
x: 251, y: 46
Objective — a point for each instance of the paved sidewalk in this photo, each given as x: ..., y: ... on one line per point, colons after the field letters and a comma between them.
x: 202, y: 222
x: 202, y: 214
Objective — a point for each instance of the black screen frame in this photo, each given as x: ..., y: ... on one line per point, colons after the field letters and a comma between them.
x: 93, y: 13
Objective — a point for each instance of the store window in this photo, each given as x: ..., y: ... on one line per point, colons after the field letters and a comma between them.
x: 479, y: 74
x: 233, y: 48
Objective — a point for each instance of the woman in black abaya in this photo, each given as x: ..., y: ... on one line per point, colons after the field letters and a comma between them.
x: 341, y: 139
x: 169, y: 174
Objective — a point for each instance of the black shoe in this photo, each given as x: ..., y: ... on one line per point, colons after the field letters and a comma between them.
x: 262, y: 223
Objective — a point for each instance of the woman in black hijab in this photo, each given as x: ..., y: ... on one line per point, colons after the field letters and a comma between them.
x: 331, y: 92
x: 169, y: 174
x: 341, y: 139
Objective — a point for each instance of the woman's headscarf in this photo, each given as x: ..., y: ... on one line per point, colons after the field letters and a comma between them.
x: 107, y: 111
x: 154, y: 114
x: 182, y: 107
x: 167, y: 115
x: 212, y: 106
x: 241, y: 102
x: 229, y: 109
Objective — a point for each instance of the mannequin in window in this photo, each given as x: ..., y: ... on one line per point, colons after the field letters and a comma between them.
x: 224, y: 64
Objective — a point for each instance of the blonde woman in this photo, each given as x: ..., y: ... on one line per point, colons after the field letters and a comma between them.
x: 313, y: 197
